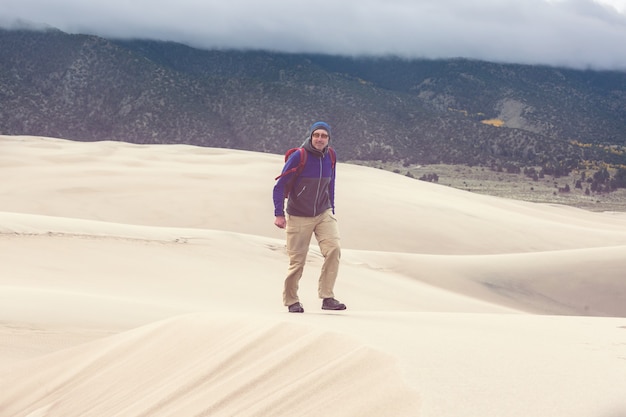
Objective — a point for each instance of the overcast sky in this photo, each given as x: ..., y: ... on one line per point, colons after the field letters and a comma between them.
x: 574, y: 33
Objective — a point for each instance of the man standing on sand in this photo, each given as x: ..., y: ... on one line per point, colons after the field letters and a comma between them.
x: 310, y: 210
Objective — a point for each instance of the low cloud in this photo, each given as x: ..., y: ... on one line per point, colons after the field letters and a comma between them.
x: 574, y: 33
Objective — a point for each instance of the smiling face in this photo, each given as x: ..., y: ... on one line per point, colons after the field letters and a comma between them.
x: 319, y: 139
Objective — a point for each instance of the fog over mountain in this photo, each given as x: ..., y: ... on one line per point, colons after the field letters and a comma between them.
x: 572, y: 33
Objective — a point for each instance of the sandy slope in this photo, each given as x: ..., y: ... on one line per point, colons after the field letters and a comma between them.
x: 146, y: 280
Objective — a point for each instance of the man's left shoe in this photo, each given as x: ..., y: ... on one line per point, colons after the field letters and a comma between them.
x: 332, y: 304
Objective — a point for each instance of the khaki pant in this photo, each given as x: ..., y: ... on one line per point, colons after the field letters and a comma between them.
x: 299, y: 232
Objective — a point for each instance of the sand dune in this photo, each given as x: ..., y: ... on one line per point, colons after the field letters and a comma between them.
x: 146, y: 280
x: 212, y: 365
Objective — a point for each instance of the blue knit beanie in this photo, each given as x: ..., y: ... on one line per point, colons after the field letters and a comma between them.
x: 319, y: 125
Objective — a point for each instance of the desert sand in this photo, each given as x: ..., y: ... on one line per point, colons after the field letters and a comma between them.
x: 146, y: 280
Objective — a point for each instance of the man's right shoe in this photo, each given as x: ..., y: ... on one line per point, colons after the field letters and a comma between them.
x: 332, y: 304
x: 296, y: 308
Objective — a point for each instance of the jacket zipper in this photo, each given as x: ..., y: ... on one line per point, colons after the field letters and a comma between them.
x: 319, y: 183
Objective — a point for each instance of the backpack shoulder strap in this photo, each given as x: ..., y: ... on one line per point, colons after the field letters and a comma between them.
x: 333, y: 157
x: 303, y: 156
x: 297, y: 169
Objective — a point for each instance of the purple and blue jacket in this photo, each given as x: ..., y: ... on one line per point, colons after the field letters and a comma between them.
x: 313, y: 191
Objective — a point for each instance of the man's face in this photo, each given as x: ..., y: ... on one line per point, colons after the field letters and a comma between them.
x: 319, y: 139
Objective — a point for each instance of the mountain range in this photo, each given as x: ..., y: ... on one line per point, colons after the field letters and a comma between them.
x: 457, y: 111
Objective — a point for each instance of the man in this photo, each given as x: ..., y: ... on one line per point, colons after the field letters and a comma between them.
x: 310, y: 210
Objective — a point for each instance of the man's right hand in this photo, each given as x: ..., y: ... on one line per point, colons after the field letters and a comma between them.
x: 280, y: 222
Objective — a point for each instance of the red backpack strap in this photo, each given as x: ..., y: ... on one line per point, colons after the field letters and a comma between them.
x: 297, y: 169
x: 333, y: 157
x: 303, y: 156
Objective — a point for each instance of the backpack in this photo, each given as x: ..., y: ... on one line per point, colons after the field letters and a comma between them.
x: 298, y: 169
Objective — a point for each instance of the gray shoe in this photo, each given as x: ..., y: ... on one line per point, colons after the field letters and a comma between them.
x: 296, y: 308
x: 332, y: 304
